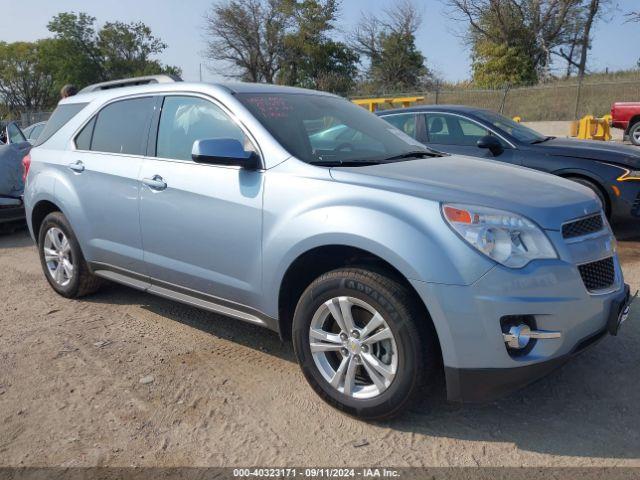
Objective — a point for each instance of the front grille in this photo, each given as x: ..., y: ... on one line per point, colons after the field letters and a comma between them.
x: 635, y: 209
x: 584, y: 226
x: 598, y: 275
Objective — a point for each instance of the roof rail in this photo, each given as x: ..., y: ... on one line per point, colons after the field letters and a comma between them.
x: 130, y: 82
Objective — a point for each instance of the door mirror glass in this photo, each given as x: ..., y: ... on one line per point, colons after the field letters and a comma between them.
x: 491, y: 143
x: 223, y: 151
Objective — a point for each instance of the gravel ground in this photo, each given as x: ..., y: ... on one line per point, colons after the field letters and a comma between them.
x: 123, y: 378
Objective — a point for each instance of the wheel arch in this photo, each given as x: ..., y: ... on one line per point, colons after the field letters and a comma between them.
x: 598, y: 182
x: 312, y: 263
x: 40, y: 210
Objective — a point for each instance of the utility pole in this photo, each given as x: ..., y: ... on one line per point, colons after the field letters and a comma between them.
x: 200, y: 72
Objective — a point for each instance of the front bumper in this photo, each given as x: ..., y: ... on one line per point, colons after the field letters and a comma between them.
x: 478, y: 366
x: 486, y: 384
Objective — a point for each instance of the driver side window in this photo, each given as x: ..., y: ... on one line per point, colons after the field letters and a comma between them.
x: 187, y: 119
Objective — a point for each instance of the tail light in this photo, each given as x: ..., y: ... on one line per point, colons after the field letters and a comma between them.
x: 26, y: 164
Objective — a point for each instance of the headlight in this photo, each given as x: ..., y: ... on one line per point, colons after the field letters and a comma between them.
x: 507, y: 238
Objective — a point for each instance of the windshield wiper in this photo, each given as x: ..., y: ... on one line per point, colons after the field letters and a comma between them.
x: 343, y: 163
x: 542, y: 140
x: 414, y: 154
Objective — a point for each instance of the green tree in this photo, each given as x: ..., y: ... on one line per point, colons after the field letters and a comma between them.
x: 496, y: 65
x: 24, y: 83
x: 310, y: 58
x: 80, y: 54
x: 389, y: 45
x: 525, y: 32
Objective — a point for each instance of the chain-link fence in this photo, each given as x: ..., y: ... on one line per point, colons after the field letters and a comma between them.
x: 546, y: 102
x: 29, y: 118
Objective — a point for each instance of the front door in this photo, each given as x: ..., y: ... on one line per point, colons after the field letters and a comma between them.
x: 457, y: 134
x: 201, y: 224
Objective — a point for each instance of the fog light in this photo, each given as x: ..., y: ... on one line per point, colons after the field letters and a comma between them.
x: 519, y: 336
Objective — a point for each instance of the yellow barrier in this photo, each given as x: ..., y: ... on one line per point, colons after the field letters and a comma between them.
x: 592, y: 128
x: 372, y: 104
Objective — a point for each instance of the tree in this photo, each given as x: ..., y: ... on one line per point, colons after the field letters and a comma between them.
x: 389, y: 45
x: 310, y: 58
x: 246, y: 35
x: 126, y: 50
x: 531, y: 29
x: 81, y: 55
x: 280, y: 41
x: 583, y: 19
x: 24, y: 83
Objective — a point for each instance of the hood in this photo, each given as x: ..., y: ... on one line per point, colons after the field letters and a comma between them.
x: 546, y: 199
x: 592, y: 150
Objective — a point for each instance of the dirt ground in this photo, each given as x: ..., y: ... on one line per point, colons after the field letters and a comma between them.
x: 123, y: 378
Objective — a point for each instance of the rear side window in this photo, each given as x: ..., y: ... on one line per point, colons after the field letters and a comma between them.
x: 83, y: 140
x: 59, y: 119
x: 122, y: 127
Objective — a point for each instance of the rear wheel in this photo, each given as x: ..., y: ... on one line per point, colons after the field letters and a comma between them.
x: 634, y: 133
x: 62, y: 261
x: 357, y: 339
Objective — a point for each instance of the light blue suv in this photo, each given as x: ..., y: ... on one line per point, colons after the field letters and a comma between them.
x: 381, y: 260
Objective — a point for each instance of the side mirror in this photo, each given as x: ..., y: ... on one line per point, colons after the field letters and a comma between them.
x: 223, y: 151
x: 492, y: 143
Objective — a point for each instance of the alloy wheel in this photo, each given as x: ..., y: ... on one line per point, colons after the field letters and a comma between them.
x: 353, y: 347
x: 58, y: 257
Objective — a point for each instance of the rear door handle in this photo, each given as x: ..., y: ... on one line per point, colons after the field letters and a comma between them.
x: 155, y: 183
x: 77, y: 167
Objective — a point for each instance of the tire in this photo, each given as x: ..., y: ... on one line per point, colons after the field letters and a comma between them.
x: 634, y: 134
x: 409, y: 357
x: 58, y: 248
x: 597, y: 190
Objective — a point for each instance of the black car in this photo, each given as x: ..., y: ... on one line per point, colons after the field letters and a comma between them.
x: 14, y: 147
x: 611, y: 170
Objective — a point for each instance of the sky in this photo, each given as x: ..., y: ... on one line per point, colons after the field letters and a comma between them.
x: 179, y: 23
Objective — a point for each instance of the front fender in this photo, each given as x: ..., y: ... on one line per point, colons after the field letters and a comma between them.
x: 407, y: 232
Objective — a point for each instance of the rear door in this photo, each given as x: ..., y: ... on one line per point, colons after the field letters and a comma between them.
x: 453, y: 133
x: 103, y: 169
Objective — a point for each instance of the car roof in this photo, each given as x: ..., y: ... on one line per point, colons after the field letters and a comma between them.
x: 434, y: 108
x: 229, y: 87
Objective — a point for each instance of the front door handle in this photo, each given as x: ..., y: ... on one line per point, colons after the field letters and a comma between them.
x: 77, y: 167
x: 155, y: 183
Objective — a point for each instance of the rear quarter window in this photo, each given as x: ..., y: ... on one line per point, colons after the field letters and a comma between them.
x: 60, y: 117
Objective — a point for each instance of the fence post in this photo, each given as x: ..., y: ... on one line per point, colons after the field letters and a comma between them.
x: 437, y: 91
x: 578, y: 93
x: 504, y: 98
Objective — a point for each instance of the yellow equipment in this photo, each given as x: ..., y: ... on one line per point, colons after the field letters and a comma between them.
x: 592, y: 128
x: 372, y: 104
x: 517, y: 119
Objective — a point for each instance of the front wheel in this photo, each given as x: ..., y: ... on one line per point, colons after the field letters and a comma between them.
x: 358, y: 340
x: 634, y: 133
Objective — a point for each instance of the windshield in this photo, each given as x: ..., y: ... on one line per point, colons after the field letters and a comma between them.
x: 515, y: 129
x: 325, y: 129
